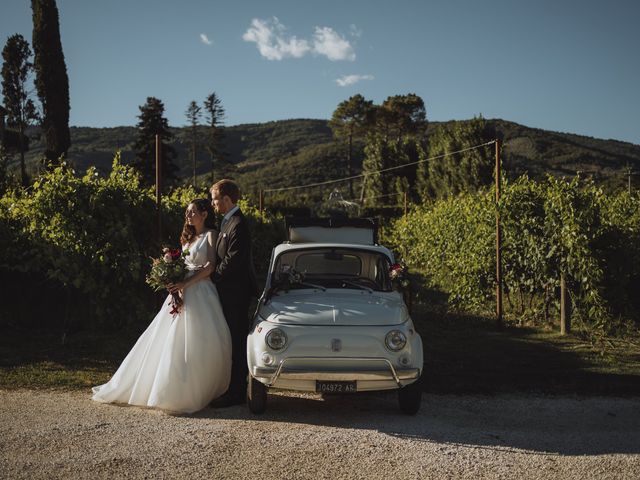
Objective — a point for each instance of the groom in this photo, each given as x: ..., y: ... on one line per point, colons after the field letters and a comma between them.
x: 236, y: 283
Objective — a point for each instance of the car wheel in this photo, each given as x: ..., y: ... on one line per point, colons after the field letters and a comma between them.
x: 256, y: 396
x: 410, y: 398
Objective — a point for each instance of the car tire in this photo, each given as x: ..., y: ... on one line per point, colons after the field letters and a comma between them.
x: 410, y: 398
x: 256, y: 396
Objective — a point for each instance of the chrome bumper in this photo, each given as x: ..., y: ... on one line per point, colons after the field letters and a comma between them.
x: 282, y: 371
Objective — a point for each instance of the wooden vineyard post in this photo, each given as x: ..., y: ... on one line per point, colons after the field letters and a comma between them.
x: 498, y: 241
x: 565, y: 312
x: 406, y: 204
x: 159, y: 187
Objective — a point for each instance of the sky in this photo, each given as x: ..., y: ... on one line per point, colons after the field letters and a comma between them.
x: 561, y: 65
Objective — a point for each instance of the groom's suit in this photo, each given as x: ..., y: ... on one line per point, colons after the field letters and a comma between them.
x: 235, y: 280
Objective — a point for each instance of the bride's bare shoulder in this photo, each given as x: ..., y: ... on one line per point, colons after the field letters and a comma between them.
x: 212, y: 234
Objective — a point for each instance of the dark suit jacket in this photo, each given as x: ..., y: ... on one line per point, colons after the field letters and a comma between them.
x: 234, y: 275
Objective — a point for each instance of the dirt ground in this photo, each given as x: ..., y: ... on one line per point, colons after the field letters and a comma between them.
x: 54, y: 434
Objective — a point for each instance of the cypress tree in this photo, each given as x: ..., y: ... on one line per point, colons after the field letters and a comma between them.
x: 52, y: 82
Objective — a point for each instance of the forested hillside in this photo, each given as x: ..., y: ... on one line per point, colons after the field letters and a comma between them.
x: 299, y: 151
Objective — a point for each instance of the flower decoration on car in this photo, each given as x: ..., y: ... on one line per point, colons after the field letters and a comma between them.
x: 289, y: 276
x: 399, y: 277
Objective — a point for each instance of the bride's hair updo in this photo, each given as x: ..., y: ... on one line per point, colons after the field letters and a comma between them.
x: 189, y: 231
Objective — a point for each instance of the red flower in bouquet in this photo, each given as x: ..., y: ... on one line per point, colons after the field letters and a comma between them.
x: 169, y: 268
x: 398, y: 275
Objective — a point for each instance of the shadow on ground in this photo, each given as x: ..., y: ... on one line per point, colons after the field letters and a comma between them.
x: 471, y: 354
x: 531, y: 424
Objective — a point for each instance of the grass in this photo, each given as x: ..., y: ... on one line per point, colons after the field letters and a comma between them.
x: 463, y: 354
x: 42, y: 359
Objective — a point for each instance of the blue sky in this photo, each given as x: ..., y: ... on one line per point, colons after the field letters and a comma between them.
x: 563, y: 65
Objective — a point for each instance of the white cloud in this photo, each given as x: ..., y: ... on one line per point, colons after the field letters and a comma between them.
x: 326, y: 41
x: 355, y: 31
x: 204, y: 39
x: 270, y: 38
x: 347, y: 80
x: 273, y: 42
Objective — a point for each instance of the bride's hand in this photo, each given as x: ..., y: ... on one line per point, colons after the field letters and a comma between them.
x: 176, y: 287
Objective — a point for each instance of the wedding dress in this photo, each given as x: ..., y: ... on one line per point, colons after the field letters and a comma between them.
x: 178, y: 364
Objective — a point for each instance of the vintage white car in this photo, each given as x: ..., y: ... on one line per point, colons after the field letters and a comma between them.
x: 329, y: 320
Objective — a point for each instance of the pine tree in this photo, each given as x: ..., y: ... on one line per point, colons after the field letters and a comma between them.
x: 52, y: 82
x: 16, y: 76
x: 349, y: 121
x: 152, y: 122
x: 214, y: 115
x: 402, y: 115
x: 193, y: 114
x: 398, y: 138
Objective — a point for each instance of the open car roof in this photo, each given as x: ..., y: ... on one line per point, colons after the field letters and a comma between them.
x: 362, y: 231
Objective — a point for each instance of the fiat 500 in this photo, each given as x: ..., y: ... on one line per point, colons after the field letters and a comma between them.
x: 329, y: 319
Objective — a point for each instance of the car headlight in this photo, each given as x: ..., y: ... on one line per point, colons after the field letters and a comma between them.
x: 276, y: 339
x: 395, y: 340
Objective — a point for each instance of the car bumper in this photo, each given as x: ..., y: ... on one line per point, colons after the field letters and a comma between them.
x: 303, y: 372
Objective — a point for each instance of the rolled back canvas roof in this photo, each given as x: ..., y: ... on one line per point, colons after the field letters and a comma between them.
x: 332, y: 230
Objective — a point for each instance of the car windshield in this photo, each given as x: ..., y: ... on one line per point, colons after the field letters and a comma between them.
x: 333, y: 268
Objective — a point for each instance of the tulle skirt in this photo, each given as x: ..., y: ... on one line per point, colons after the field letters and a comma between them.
x: 178, y: 364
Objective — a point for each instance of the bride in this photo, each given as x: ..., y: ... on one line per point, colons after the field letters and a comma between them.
x: 180, y: 364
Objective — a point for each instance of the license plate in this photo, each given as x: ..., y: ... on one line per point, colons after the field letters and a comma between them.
x: 335, y: 387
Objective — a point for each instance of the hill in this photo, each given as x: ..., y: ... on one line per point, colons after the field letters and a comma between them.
x: 300, y: 151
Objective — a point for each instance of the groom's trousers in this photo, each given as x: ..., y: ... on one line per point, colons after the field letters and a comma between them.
x: 236, y: 312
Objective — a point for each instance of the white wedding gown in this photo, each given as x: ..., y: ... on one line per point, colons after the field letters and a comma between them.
x: 179, y: 364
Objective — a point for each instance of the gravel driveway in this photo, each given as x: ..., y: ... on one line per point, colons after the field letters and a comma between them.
x: 51, y: 434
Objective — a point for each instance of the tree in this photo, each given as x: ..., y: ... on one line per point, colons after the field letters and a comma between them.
x: 214, y: 115
x: 21, y: 111
x: 461, y: 172
x: 349, y: 121
x: 397, y: 139
x: 152, y: 123
x: 402, y: 115
x: 5, y: 176
x: 377, y: 157
x: 193, y: 114
x: 52, y: 82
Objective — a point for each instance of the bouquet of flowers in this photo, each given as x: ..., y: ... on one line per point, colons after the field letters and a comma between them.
x: 290, y: 276
x: 399, y: 277
x: 166, y: 269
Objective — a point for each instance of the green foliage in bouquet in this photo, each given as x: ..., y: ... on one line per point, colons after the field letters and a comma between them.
x: 169, y: 268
